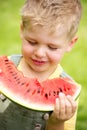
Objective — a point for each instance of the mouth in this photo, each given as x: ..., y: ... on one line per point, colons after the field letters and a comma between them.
x: 38, y: 62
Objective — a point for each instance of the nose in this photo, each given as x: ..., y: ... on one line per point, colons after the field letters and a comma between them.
x: 40, y: 52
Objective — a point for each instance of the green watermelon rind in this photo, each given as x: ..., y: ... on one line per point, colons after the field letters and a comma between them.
x: 34, y: 106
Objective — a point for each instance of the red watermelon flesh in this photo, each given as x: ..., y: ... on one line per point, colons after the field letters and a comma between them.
x: 31, y: 93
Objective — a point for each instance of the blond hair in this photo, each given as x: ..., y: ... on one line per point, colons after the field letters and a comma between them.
x: 53, y: 13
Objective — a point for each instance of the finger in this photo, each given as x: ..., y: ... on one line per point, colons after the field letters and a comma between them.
x: 68, y: 109
x: 62, y: 104
x: 56, y: 107
x: 72, y: 102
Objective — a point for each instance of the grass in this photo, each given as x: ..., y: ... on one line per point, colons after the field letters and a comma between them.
x: 75, y: 62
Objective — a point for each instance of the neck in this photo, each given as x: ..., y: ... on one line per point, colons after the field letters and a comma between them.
x: 29, y: 72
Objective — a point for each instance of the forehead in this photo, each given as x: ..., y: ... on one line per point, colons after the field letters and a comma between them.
x: 59, y: 29
x: 45, y: 34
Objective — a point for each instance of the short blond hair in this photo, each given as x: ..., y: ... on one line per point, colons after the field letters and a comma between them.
x: 51, y: 13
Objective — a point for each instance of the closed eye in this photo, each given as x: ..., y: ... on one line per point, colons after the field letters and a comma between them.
x: 32, y: 42
x: 52, y: 48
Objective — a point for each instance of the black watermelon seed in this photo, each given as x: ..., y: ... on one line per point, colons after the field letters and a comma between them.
x: 46, y: 95
x: 54, y: 93
x: 60, y: 90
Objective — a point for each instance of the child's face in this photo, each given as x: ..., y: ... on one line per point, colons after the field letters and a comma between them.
x: 43, y: 51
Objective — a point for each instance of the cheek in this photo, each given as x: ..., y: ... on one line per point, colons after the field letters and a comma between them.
x: 56, y: 57
x: 26, y: 48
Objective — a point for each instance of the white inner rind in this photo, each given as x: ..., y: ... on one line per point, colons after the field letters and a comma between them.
x: 29, y: 103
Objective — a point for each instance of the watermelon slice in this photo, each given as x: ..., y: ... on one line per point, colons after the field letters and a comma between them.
x: 31, y: 93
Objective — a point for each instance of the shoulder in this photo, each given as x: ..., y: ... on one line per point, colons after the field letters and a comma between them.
x: 15, y: 58
x: 60, y: 72
x: 70, y: 79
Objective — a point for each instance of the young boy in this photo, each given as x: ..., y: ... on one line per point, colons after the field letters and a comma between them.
x: 48, y: 31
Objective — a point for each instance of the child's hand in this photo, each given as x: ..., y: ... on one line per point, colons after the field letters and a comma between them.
x: 64, y: 109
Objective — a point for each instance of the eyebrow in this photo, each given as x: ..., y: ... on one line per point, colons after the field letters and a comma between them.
x: 49, y: 43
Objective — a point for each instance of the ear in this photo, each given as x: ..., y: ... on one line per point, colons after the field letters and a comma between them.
x: 71, y: 44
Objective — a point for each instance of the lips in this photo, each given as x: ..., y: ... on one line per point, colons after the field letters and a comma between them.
x: 38, y: 62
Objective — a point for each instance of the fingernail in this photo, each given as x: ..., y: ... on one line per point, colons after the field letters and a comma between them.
x: 61, y: 94
x: 0, y: 70
x: 56, y: 99
x: 68, y: 96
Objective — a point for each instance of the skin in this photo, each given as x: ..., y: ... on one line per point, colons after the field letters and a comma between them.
x: 42, y: 52
x: 64, y: 109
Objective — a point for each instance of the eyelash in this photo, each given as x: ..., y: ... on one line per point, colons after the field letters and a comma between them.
x: 34, y: 43
x: 52, y: 48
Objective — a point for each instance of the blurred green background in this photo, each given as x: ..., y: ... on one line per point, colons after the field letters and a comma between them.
x: 74, y: 63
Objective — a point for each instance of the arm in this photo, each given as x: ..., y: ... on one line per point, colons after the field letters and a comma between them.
x: 65, y: 109
x: 54, y: 126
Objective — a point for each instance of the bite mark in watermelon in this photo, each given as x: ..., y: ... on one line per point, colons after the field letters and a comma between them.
x: 31, y: 93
